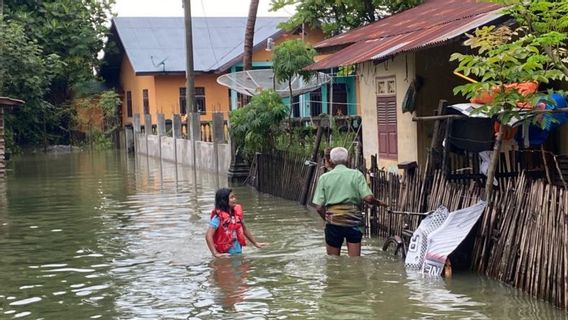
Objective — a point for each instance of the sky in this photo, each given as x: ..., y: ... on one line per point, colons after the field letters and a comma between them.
x: 199, y: 8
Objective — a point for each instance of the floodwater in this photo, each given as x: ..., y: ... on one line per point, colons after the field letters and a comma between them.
x: 106, y: 236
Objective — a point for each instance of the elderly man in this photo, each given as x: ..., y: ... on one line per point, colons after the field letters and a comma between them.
x: 338, y: 198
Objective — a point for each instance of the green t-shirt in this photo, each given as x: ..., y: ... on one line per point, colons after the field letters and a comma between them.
x: 341, y: 185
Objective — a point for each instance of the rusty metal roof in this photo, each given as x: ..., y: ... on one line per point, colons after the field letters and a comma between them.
x: 431, y: 23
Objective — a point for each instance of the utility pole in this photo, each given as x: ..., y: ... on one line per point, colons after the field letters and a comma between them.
x: 191, y: 108
x: 189, y: 91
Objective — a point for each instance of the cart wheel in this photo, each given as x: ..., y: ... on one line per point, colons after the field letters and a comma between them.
x: 395, y: 245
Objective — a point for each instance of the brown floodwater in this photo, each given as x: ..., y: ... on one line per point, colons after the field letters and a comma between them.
x: 109, y: 236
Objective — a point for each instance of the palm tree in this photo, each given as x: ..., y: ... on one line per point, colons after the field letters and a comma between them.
x: 249, y: 35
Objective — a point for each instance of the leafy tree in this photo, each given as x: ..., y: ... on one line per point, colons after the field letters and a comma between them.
x: 61, y: 40
x: 289, y: 59
x: 72, y: 29
x: 337, y: 16
x: 26, y: 73
x: 255, y: 126
x: 535, y: 51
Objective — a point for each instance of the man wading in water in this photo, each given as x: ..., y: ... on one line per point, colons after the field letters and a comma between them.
x: 338, y: 198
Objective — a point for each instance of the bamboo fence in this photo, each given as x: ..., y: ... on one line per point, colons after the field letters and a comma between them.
x: 521, y: 238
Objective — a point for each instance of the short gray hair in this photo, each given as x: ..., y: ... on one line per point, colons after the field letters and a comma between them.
x: 338, y: 155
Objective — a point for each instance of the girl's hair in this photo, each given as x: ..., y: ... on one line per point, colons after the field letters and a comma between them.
x: 222, y: 199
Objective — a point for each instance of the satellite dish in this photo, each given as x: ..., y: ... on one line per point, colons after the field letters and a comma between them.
x: 252, y: 82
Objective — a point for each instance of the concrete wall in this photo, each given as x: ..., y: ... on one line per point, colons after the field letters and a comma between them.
x: 402, y: 68
x: 182, y: 153
x: 213, y: 157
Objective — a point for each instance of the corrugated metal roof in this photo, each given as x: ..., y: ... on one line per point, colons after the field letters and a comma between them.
x: 157, y: 44
x: 431, y: 23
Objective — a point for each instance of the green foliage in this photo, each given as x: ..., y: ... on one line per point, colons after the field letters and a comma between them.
x: 505, y: 56
x: 337, y: 16
x: 72, y: 29
x: 290, y: 57
x: 26, y: 74
x: 46, y: 48
x: 255, y: 126
x: 302, y: 140
x: 107, y: 102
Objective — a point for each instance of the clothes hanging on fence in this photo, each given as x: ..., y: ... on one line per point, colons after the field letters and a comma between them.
x: 538, y: 133
x: 419, y: 241
x: 445, y: 239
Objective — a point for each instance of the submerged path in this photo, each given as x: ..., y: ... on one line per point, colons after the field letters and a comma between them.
x: 102, y: 235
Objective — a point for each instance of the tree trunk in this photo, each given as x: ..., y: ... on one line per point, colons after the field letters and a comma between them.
x: 249, y: 35
x: 493, y: 164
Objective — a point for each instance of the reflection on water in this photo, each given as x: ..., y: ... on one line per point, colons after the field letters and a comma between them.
x: 230, y: 278
x: 102, y: 235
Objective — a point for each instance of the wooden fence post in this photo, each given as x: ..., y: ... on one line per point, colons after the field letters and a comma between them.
x: 324, y: 123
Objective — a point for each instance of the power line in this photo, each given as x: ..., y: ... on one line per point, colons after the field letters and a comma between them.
x: 209, y: 33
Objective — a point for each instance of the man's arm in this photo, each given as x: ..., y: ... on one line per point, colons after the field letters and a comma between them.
x: 321, y: 211
x: 372, y: 200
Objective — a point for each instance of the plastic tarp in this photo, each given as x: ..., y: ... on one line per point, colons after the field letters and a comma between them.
x: 419, y: 241
x: 438, y: 235
x: 448, y: 236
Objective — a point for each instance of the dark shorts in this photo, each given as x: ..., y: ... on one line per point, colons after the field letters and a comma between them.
x: 334, y: 235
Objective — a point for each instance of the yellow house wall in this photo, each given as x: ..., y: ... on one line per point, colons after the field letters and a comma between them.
x: 216, y: 95
x: 136, y: 84
x: 402, y: 69
x: 167, y: 92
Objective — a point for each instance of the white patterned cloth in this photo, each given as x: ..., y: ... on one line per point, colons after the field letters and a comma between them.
x: 445, y: 239
x: 419, y: 242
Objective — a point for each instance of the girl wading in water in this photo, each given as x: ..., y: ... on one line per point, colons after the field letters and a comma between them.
x: 227, y: 233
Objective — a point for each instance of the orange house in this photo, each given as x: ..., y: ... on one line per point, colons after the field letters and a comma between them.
x: 145, y: 61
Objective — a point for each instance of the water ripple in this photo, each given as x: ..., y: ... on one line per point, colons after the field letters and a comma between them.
x: 102, y: 235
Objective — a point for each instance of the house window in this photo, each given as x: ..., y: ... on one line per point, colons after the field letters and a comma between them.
x: 315, y: 103
x: 386, y: 117
x: 296, y: 107
x: 129, y: 104
x: 182, y: 101
x: 200, y: 99
x: 339, y: 96
x: 242, y: 100
x: 145, y: 101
